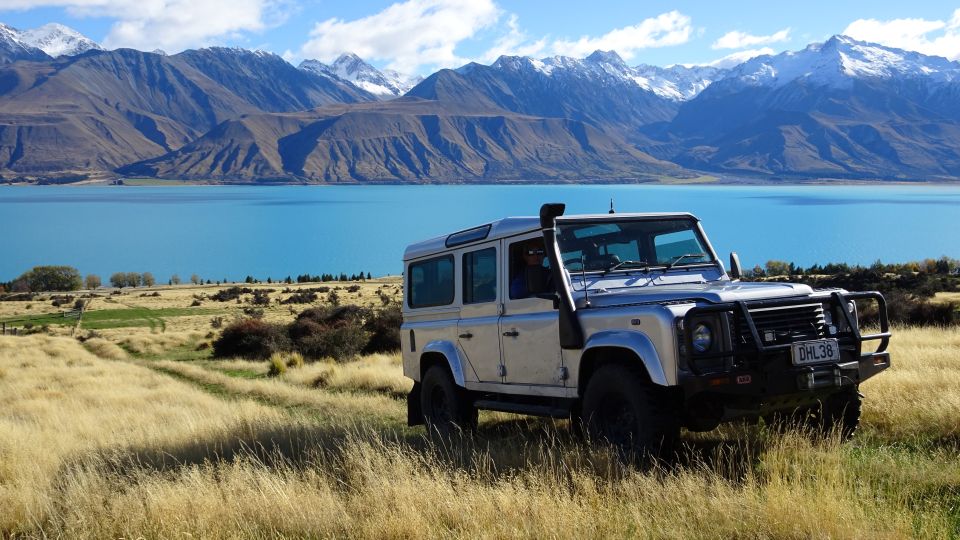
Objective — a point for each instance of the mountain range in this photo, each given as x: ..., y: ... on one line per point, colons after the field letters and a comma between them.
x: 842, y: 109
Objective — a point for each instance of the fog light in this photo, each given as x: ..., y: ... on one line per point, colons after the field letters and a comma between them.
x: 702, y: 338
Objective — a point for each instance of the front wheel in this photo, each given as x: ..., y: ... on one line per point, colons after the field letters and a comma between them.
x: 446, y: 407
x: 619, y: 407
x: 839, y: 412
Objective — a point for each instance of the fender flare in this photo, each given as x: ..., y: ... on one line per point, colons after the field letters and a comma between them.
x: 636, y: 342
x: 455, y: 361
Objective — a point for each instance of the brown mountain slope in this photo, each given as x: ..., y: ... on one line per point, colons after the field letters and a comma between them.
x: 405, y: 140
x: 102, y: 110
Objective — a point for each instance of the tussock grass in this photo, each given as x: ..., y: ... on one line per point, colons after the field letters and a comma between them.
x: 105, y: 349
x: 380, y: 373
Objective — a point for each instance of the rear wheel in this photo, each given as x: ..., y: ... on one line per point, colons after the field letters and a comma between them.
x: 621, y: 408
x: 446, y: 407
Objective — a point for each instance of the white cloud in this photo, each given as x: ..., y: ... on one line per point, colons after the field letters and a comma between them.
x: 937, y: 37
x: 407, y: 34
x: 671, y: 28
x: 739, y: 40
x: 514, y: 42
x: 738, y: 58
x: 172, y: 25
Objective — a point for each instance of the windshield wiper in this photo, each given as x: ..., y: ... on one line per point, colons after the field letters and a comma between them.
x: 622, y: 264
x: 676, y: 260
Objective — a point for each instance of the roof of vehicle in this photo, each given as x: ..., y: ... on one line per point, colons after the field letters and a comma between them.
x: 513, y: 226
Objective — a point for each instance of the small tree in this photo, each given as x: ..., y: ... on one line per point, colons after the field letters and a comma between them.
x: 195, y: 279
x: 118, y: 280
x: 778, y: 268
x: 175, y: 279
x: 92, y: 281
x: 147, y: 280
x: 132, y: 279
x: 53, y: 278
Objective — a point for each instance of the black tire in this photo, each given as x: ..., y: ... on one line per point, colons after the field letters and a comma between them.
x: 836, y: 413
x: 621, y: 408
x: 446, y: 407
x: 839, y: 412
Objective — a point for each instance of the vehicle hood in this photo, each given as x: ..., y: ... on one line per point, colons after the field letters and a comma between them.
x: 712, y: 292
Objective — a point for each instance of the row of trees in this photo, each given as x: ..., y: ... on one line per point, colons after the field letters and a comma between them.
x: 68, y: 278
x: 943, y: 266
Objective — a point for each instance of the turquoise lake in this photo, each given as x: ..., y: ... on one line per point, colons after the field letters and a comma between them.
x: 229, y: 232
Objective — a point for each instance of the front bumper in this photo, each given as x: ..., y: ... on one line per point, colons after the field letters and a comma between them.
x: 753, y: 375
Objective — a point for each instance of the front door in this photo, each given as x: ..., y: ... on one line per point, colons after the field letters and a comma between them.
x: 529, y: 331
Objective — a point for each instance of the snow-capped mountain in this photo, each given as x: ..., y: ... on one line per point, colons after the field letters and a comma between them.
x: 838, y: 61
x: 58, y: 40
x: 676, y: 83
x: 385, y: 84
x: 13, y: 48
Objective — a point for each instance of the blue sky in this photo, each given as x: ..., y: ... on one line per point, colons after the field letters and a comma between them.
x: 419, y: 36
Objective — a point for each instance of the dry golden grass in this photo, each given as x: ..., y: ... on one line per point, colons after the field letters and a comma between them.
x: 216, y: 449
x: 920, y: 395
x: 60, y: 403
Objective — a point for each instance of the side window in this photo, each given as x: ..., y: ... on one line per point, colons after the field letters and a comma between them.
x: 431, y: 282
x: 529, y: 269
x: 480, y: 276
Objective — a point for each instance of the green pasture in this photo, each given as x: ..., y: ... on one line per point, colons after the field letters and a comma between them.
x: 111, y: 318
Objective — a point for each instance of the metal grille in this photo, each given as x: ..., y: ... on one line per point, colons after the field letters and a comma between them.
x: 784, y: 325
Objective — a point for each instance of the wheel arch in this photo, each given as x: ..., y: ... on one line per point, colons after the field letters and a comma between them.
x: 632, y: 349
x: 443, y: 353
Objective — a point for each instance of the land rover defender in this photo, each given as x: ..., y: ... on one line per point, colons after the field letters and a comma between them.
x: 629, y: 325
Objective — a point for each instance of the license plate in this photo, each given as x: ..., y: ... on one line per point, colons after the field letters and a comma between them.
x: 816, y: 352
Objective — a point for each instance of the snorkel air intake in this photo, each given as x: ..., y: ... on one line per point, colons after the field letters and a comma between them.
x: 571, y: 333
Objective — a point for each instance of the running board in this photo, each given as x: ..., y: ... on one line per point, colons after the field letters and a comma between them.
x: 522, y: 408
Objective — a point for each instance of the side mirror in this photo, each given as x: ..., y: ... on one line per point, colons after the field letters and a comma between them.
x: 735, y: 271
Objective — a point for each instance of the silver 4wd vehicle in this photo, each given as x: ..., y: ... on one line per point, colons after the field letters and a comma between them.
x: 628, y: 323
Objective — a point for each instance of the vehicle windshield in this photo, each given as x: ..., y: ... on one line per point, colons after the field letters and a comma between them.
x: 615, y: 246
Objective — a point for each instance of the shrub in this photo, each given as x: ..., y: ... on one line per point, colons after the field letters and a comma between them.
x: 216, y: 322
x: 261, y: 297
x: 331, y: 332
x: 384, y: 328
x: 302, y: 297
x: 251, y: 338
x: 253, y: 312
x: 353, y: 289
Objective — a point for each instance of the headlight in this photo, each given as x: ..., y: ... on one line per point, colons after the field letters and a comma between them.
x: 702, y: 338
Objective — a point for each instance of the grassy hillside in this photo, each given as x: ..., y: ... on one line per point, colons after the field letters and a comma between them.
x: 137, y: 432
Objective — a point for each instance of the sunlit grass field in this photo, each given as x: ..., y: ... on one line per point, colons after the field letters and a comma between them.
x: 137, y: 432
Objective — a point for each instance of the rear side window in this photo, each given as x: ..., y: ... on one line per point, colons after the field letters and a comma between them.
x: 480, y: 276
x: 431, y: 282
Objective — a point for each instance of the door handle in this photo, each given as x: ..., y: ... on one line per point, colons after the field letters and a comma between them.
x: 512, y: 333
x: 468, y: 335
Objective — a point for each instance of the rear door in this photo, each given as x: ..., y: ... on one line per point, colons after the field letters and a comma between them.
x: 478, y: 328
